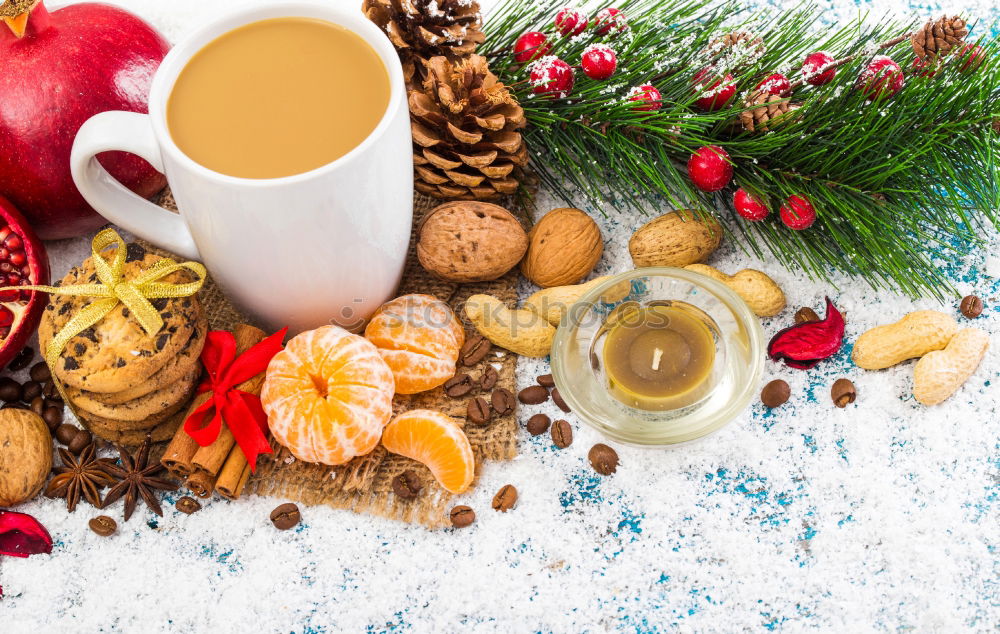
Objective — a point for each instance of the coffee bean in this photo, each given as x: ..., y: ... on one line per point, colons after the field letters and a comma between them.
x: 775, y: 393
x: 843, y: 393
x: 40, y: 372
x: 462, y: 516
x: 407, y: 485
x: 505, y: 499
x: 603, y: 459
x: 188, y: 505
x: 488, y: 379
x: 38, y: 405
x: 10, y: 390
x: 562, y: 434
x: 30, y: 391
x: 558, y: 400
x: 475, y: 350
x: 971, y: 306
x: 479, y: 411
x: 546, y: 380
x: 538, y: 424
x: 502, y: 401
x: 458, y: 385
x: 51, y: 391
x: 533, y: 395
x: 53, y: 416
x: 805, y: 314
x: 80, y: 441
x: 285, y: 516
x: 21, y: 359
x: 103, y: 525
x: 65, y: 433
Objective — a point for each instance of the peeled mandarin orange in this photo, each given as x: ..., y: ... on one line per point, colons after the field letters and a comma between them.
x: 420, y: 338
x: 328, y: 395
x: 435, y: 440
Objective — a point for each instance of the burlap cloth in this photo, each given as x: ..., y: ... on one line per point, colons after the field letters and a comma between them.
x: 364, y: 485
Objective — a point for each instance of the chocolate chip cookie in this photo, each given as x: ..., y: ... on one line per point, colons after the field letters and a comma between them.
x: 115, y: 353
x: 173, y: 371
x: 144, y: 407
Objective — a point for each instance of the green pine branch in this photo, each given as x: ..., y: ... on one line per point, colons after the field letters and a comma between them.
x: 894, y: 182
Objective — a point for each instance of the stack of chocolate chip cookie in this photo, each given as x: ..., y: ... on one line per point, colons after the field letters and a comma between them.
x: 123, y: 383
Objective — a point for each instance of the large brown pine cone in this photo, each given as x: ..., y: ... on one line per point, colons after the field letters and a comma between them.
x: 465, y: 140
x: 768, y: 107
x: 422, y: 29
x: 936, y: 38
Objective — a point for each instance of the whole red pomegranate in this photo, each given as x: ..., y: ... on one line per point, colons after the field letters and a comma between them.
x: 23, y: 261
x: 56, y: 71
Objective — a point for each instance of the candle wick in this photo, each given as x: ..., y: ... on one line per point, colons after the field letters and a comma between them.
x: 657, y: 355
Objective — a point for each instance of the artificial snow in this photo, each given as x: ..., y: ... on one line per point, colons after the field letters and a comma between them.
x: 878, y: 517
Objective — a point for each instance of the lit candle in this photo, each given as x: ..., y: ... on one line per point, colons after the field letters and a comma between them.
x: 658, y: 357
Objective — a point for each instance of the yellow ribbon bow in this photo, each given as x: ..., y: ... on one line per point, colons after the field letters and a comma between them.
x: 114, y: 289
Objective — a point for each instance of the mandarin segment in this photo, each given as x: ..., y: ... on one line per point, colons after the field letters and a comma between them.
x: 328, y: 395
x: 436, y: 441
x: 420, y: 338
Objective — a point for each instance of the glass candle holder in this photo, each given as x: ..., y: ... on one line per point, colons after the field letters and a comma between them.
x: 658, y: 356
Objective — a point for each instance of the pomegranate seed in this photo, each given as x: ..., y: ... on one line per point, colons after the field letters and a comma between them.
x: 6, y: 316
x: 18, y: 258
x: 6, y: 267
x: 6, y: 231
x: 13, y: 242
x: 9, y: 296
x: 13, y: 279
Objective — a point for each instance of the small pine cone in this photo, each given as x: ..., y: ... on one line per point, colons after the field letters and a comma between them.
x: 465, y: 140
x: 768, y: 107
x: 743, y: 45
x: 422, y: 29
x: 936, y: 38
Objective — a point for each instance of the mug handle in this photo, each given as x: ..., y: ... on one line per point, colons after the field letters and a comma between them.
x: 128, y: 132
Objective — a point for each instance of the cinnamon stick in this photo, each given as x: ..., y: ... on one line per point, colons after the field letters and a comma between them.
x: 234, y: 475
x: 212, y: 457
x: 179, y: 456
x: 201, y: 483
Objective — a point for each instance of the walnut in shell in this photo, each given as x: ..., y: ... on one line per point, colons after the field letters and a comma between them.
x: 25, y: 455
x: 563, y: 247
x: 470, y: 241
x: 677, y: 239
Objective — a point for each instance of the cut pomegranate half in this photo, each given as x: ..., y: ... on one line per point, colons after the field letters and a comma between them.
x: 23, y: 262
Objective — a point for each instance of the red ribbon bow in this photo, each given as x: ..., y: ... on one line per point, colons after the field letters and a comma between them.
x: 241, y: 411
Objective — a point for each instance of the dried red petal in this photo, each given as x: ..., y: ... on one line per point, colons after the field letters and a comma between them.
x: 804, y: 345
x: 21, y: 535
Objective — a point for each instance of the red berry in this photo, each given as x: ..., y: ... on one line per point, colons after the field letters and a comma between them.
x: 716, y: 95
x: 973, y: 57
x: 648, y: 96
x: 710, y: 169
x: 531, y: 45
x: 749, y: 206
x: 881, y: 78
x: 797, y: 213
x: 776, y: 84
x: 599, y: 61
x: 610, y: 18
x: 551, y: 76
x: 570, y: 21
x: 813, y: 63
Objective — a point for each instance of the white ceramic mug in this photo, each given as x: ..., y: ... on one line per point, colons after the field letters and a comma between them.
x: 326, y: 246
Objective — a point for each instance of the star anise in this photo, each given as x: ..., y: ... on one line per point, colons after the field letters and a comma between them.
x: 136, y: 480
x: 82, y: 476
